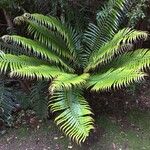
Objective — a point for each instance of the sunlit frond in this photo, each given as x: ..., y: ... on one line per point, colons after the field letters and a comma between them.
x: 13, y: 62
x: 106, y: 52
x: 74, y: 118
x: 70, y: 35
x: 35, y: 48
x: 108, y: 23
x: 138, y: 59
x: 68, y: 81
x: 114, y: 78
x: 49, y: 38
x: 39, y: 72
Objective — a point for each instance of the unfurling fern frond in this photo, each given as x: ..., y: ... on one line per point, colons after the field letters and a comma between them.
x: 75, y: 114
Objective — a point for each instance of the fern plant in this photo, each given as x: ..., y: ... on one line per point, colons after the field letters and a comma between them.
x: 7, y: 103
x: 97, y: 60
x: 39, y: 99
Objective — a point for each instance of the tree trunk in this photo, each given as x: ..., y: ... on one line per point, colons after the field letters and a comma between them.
x: 10, y: 28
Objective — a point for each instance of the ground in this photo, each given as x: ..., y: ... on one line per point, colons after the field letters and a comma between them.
x: 128, y: 133
x: 118, y: 129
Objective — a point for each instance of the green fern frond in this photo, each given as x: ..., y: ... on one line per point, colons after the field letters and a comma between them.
x: 49, y: 38
x: 114, y: 78
x: 38, y: 49
x: 137, y: 60
x: 111, y: 16
x: 75, y: 114
x: 68, y: 81
x: 14, y: 62
x: 108, y: 20
x: 106, y: 52
x: 39, y: 72
x: 70, y: 35
x: 108, y: 24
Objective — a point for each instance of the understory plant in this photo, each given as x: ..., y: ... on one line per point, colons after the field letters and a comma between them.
x: 100, y: 59
x: 8, y: 102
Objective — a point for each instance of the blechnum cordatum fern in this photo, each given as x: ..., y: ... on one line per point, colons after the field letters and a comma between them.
x: 99, y: 60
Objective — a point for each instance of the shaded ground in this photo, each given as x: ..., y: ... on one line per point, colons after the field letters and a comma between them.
x: 129, y: 133
x: 121, y: 128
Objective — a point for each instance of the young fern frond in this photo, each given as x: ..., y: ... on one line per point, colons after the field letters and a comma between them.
x: 114, y: 78
x: 35, y: 48
x: 107, y: 51
x: 111, y: 16
x: 75, y: 114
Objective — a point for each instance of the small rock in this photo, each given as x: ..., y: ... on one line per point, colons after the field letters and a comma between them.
x: 2, y: 132
x: 61, y: 137
x: 55, y: 138
x: 70, y: 146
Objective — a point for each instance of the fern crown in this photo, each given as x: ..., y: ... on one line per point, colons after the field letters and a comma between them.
x: 57, y: 52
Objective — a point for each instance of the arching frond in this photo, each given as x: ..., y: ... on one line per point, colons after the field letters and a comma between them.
x: 13, y: 62
x: 69, y: 34
x: 49, y: 38
x: 138, y: 59
x: 68, y: 81
x: 37, y: 49
x: 110, y: 17
x: 108, y: 23
x: 107, y: 51
x: 114, y: 78
x: 39, y: 72
x: 28, y: 67
x: 74, y: 118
